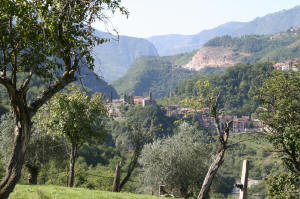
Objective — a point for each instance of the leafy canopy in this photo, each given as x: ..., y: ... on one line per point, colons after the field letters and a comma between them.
x: 76, y: 115
x: 280, y: 113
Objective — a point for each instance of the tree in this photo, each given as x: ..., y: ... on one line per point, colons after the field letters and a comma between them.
x: 174, y: 162
x: 209, y: 97
x: 79, y: 118
x: 41, y: 149
x: 48, y: 38
x: 280, y: 115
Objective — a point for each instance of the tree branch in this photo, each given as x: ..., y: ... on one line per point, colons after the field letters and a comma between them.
x: 67, y: 77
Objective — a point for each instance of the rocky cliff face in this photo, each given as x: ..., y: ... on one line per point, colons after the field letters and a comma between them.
x: 212, y: 57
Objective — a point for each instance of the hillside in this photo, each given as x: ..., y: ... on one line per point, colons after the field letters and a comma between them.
x: 45, y: 192
x: 278, y: 47
x: 92, y: 81
x: 160, y: 74
x: 269, y: 24
x: 113, y: 59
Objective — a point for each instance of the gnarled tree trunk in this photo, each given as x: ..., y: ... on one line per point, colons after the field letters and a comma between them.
x: 72, y: 165
x: 22, y: 135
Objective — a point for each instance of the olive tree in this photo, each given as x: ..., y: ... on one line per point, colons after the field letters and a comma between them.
x: 41, y: 149
x: 48, y: 38
x: 78, y: 117
x: 178, y: 162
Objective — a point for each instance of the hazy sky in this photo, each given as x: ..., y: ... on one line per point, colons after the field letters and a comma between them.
x: 157, y: 17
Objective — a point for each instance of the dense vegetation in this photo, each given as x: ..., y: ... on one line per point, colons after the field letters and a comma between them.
x: 280, y: 114
x: 237, y: 86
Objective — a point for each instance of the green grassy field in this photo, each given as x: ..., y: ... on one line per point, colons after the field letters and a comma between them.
x: 56, y: 192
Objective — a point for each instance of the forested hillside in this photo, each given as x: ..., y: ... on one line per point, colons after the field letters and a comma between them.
x: 160, y: 74
x: 237, y: 87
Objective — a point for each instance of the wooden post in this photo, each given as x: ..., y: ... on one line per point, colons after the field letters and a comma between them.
x: 244, y: 180
x: 116, y: 183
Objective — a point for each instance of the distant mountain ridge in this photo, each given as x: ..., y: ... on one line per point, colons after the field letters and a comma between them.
x: 269, y: 24
x: 114, y: 58
x: 176, y: 44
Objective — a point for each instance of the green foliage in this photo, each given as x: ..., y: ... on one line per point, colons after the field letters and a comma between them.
x: 76, y: 116
x: 2, y: 168
x: 284, y: 186
x: 175, y: 162
x: 45, y: 192
x: 163, y: 125
x: 280, y: 113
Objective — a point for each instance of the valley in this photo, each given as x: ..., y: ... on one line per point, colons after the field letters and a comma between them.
x: 88, y: 112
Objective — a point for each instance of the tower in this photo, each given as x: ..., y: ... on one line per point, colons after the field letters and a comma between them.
x: 150, y: 95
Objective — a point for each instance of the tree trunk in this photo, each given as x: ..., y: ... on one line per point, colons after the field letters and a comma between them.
x: 116, y: 183
x: 212, y: 171
x: 21, y: 139
x: 33, y: 174
x: 131, y: 167
x: 72, y: 165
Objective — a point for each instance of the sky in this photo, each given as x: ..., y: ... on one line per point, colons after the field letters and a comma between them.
x: 159, y: 17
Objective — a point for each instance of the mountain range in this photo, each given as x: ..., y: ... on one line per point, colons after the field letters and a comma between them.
x: 269, y: 24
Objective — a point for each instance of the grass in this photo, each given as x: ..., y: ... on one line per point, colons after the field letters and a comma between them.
x: 57, y: 192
